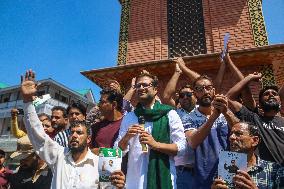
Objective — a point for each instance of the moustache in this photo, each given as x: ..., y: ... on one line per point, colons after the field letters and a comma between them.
x: 234, y: 145
x: 272, y: 98
x: 74, y: 141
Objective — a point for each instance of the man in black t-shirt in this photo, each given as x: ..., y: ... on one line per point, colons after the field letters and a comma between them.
x: 269, y: 122
x: 33, y: 172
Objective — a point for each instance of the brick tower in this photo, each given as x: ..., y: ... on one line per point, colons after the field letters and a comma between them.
x: 163, y: 29
x: 152, y: 32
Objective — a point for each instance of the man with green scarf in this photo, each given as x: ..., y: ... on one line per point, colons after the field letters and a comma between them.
x: 162, y: 132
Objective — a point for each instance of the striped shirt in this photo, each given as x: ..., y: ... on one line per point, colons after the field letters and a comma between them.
x: 62, y: 137
x: 267, y: 175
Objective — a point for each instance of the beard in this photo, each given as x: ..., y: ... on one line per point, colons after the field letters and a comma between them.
x: 146, y: 98
x: 59, y: 127
x: 271, y: 105
x: 78, y: 149
x: 205, y: 101
x: 188, y: 107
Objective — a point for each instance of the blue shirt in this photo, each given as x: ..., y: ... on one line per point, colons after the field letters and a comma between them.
x: 207, y: 153
x: 188, y: 157
x: 267, y: 175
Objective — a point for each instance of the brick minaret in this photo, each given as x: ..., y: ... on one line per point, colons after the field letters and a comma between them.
x: 162, y: 29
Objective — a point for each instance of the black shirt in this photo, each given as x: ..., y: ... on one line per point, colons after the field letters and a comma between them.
x: 271, y: 147
x: 23, y: 180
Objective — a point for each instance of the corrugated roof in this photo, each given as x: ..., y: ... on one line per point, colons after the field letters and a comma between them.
x: 83, y: 92
x: 3, y: 85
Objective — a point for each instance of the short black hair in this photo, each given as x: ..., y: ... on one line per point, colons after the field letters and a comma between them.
x: 200, y: 78
x: 155, y: 81
x: 2, y: 152
x: 78, y: 106
x: 185, y: 87
x: 81, y: 123
x: 60, y: 108
x: 262, y: 91
x: 44, y: 114
x: 114, y: 96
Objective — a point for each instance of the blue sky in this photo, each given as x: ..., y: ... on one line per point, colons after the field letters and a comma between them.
x: 58, y: 38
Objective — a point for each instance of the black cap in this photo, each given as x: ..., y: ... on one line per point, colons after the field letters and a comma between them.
x: 2, y: 152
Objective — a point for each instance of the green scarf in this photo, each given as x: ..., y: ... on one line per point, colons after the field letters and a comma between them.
x: 158, y: 176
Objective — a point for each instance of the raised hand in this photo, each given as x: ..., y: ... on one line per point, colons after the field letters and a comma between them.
x: 178, y: 70
x: 28, y: 86
x: 133, y: 81
x: 220, y: 103
x: 255, y: 76
x: 227, y: 57
x: 180, y: 63
x: 114, y: 85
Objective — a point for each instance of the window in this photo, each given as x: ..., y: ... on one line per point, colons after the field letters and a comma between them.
x: 64, y: 99
x: 5, y: 98
x: 186, y: 28
x: 56, y: 96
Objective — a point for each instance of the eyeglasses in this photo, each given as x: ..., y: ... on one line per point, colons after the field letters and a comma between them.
x: 201, y: 88
x: 183, y: 94
x: 144, y: 85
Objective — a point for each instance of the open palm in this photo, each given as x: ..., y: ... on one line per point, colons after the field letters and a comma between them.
x: 28, y: 87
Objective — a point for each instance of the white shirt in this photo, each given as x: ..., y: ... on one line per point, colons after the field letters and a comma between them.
x: 66, y: 173
x: 137, y: 166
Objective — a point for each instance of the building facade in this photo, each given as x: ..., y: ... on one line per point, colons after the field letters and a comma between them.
x: 10, y: 97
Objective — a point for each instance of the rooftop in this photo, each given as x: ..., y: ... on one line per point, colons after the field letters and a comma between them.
x: 245, y: 57
x: 3, y: 85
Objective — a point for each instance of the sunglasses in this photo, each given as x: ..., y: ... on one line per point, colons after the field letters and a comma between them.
x: 201, y: 88
x: 187, y: 94
x: 143, y: 85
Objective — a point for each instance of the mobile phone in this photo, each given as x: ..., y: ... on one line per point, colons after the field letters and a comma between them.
x: 20, y: 111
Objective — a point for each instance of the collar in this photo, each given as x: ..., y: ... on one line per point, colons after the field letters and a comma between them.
x: 88, y: 159
x: 198, y: 113
x: 182, y: 110
x: 41, y: 171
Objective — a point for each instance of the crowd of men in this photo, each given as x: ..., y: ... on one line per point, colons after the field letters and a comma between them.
x: 176, y: 145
